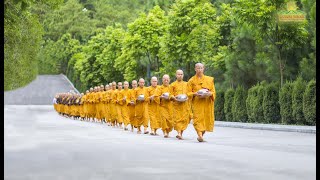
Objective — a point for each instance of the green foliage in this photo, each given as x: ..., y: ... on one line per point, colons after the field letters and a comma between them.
x: 285, y: 101
x: 141, y: 45
x: 22, y: 37
x: 239, y: 111
x: 219, y: 106
x: 252, y: 95
x: 309, y: 103
x: 271, y: 108
x: 299, y: 87
x: 308, y: 67
x: 191, y: 37
x: 257, y: 101
x: 228, y: 100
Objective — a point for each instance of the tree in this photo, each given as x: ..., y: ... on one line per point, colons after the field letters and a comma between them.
x: 192, y: 36
x: 142, y: 42
x: 281, y: 37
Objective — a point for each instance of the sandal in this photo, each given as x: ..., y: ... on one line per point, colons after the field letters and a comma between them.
x: 200, y: 139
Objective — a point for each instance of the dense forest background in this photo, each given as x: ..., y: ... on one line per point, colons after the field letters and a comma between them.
x: 95, y: 42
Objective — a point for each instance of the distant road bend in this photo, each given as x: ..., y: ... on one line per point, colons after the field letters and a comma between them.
x: 40, y: 91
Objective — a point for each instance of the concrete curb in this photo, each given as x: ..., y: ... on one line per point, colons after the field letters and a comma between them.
x: 70, y: 83
x: 273, y: 127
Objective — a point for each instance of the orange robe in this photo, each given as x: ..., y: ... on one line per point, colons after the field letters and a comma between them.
x: 141, y: 110
x: 203, y: 108
x: 131, y: 108
x: 123, y: 105
x: 153, y: 109
x: 181, y: 110
x: 165, y: 109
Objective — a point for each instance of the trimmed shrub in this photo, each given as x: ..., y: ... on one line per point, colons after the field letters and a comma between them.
x: 228, y: 98
x: 309, y: 103
x: 271, y: 108
x: 285, y: 102
x: 239, y: 110
x: 297, y: 101
x: 257, y: 108
x: 252, y: 95
x: 219, y: 106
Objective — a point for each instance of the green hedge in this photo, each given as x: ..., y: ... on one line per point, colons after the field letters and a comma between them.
x: 239, y: 111
x: 297, y: 101
x: 252, y: 96
x: 257, y: 104
x: 228, y: 99
x: 219, y: 106
x: 271, y: 108
x: 285, y: 101
x: 309, y: 103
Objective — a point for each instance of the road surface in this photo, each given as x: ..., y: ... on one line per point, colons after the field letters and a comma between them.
x: 40, y: 144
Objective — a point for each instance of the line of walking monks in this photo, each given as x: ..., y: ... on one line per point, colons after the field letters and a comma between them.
x: 166, y: 107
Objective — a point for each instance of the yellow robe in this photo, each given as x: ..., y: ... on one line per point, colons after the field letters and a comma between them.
x: 181, y: 110
x: 123, y: 106
x: 81, y: 107
x: 113, y: 107
x: 104, y: 104
x: 99, y: 105
x: 85, y: 105
x: 153, y: 110
x: 90, y: 105
x: 141, y: 110
x: 131, y: 108
x: 203, y: 108
x: 108, y: 103
x: 118, y: 108
x: 165, y: 109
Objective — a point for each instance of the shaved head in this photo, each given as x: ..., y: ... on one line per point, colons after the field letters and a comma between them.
x: 154, y: 81
x: 199, y: 68
x: 179, y: 75
x: 141, y: 82
x: 165, y: 79
x: 134, y: 84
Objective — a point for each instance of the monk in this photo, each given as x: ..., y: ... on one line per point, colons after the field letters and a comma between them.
x: 132, y: 105
x: 116, y: 96
x: 113, y: 101
x: 202, y: 103
x: 123, y: 101
x: 153, y: 107
x: 181, y: 110
x: 81, y: 107
x: 141, y: 107
x: 165, y: 105
x: 105, y: 103
x: 85, y: 105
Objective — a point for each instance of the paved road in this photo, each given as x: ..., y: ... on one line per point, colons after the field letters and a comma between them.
x: 40, y: 144
x: 40, y: 91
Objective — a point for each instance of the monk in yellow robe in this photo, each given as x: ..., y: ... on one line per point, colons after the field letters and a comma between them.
x: 90, y: 101
x: 181, y: 110
x: 119, y: 116
x: 123, y: 101
x: 108, y: 96
x: 132, y: 105
x: 81, y: 107
x: 141, y: 110
x: 203, y: 101
x: 113, y: 103
x: 85, y: 105
x: 99, y: 103
x: 162, y: 97
x: 153, y: 107
x: 105, y: 103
